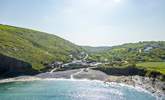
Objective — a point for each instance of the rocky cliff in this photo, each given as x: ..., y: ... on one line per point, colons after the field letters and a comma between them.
x: 13, y: 67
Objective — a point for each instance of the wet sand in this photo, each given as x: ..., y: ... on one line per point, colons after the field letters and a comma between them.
x: 91, y: 74
x: 69, y: 74
x: 20, y: 79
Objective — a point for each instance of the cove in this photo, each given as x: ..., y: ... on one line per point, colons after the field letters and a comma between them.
x: 67, y: 89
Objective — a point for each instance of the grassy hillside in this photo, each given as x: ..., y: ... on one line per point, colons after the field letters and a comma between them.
x: 34, y: 47
x: 90, y: 49
x: 143, y: 55
x: 142, y: 51
x: 153, y: 66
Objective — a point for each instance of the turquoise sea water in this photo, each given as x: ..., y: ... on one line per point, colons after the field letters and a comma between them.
x: 69, y: 90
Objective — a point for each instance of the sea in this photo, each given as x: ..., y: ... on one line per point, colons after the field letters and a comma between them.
x: 69, y: 89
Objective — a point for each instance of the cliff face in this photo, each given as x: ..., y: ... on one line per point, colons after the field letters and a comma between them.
x: 123, y: 71
x: 132, y: 71
x: 13, y: 67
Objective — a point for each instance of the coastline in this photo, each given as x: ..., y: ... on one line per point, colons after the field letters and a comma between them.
x: 152, y: 86
x: 19, y: 79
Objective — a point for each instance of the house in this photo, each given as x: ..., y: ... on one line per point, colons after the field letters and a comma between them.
x: 95, y: 64
x: 147, y: 49
x: 55, y: 64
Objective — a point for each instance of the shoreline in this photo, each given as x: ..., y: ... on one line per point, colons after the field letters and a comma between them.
x: 19, y: 79
x: 142, y: 82
x: 92, y: 75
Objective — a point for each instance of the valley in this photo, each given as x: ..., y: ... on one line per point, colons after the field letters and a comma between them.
x: 32, y: 55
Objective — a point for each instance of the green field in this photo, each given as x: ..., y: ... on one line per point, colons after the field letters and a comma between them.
x: 153, y: 66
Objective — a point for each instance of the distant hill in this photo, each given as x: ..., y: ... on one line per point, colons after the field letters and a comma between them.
x: 91, y: 49
x: 34, y: 47
x: 141, y: 51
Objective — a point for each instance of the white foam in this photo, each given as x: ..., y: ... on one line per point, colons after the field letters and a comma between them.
x: 137, y: 88
x: 65, y: 79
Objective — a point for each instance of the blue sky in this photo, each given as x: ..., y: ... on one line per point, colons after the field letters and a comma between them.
x: 89, y: 22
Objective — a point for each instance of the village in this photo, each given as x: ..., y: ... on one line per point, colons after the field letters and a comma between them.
x: 82, y: 62
x: 74, y: 64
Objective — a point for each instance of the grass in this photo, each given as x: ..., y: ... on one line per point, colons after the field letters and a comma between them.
x: 153, y: 66
x: 33, y: 46
x: 131, y: 52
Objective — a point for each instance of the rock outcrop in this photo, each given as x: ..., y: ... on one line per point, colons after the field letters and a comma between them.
x: 149, y: 80
x: 10, y: 67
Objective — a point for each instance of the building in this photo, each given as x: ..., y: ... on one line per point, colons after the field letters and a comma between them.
x: 147, y: 49
x: 55, y: 64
